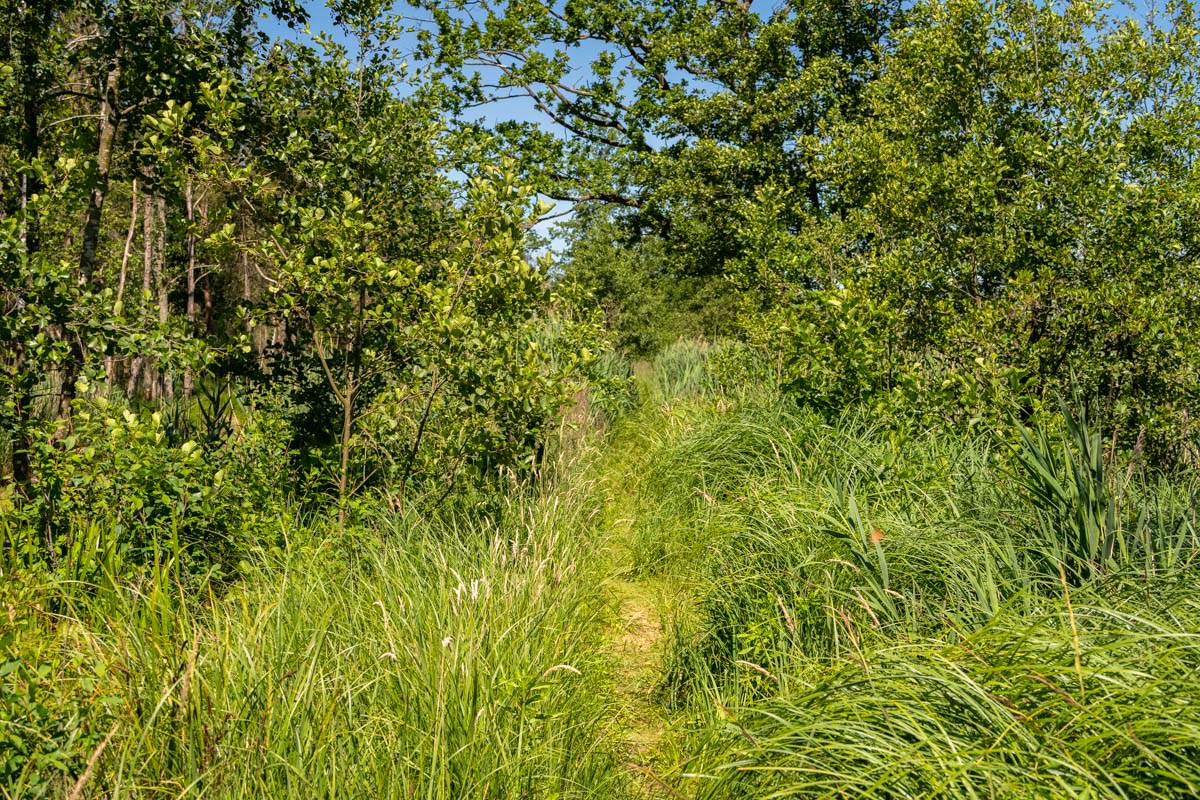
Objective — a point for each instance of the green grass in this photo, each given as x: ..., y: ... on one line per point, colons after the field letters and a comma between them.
x: 887, y: 612
x: 1097, y: 701
x: 423, y: 659
x: 730, y: 597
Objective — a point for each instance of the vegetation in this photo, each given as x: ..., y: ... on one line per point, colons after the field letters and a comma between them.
x: 841, y: 442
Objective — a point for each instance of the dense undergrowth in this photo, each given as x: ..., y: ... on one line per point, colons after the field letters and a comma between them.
x: 881, y: 611
x: 857, y: 609
x: 455, y: 657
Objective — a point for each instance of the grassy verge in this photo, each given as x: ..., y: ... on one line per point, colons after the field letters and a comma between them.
x: 411, y: 659
x: 887, y: 612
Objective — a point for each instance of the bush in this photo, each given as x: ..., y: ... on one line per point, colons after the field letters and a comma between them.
x: 117, y: 491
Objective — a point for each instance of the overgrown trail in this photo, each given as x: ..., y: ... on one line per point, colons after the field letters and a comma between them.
x: 636, y: 642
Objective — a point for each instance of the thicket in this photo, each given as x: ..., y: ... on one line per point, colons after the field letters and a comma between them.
x: 230, y: 268
x: 253, y: 294
x: 296, y: 487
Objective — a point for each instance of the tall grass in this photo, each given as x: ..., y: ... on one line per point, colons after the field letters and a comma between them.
x: 679, y: 371
x: 883, y: 611
x: 430, y: 659
x: 1083, y: 522
x: 857, y: 610
x: 1087, y: 701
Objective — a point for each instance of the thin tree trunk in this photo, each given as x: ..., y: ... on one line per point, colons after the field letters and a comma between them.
x: 189, y: 210
x: 139, y: 361
x: 245, y: 260
x: 434, y: 387
x: 133, y: 218
x: 107, y: 132
x: 166, y: 387
x: 348, y: 397
x: 206, y: 293
x: 110, y: 367
x: 36, y: 26
x: 344, y: 452
x: 36, y: 20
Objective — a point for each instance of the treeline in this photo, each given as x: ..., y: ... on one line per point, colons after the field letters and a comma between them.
x: 954, y: 210
x: 235, y: 270
x: 951, y: 212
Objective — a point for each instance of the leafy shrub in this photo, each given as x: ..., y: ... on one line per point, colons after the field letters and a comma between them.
x: 1020, y: 224
x: 116, y: 491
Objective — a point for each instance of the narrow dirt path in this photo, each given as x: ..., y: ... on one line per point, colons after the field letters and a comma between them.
x: 637, y: 648
x: 635, y: 637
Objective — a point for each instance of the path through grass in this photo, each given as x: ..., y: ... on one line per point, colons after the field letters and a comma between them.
x: 636, y: 643
x: 634, y: 637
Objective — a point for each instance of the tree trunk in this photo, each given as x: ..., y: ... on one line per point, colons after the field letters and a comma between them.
x: 138, y: 367
x: 122, y: 278
x: 106, y: 133
x: 189, y: 210
x: 104, y: 151
x: 354, y: 376
x: 206, y: 293
x: 110, y: 361
x: 344, y: 452
x: 166, y: 388
x: 36, y: 23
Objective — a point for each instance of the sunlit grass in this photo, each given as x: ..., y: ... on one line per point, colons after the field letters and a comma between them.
x: 423, y: 658
x: 848, y: 609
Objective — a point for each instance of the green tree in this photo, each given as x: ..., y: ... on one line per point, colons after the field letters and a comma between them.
x: 647, y: 305
x: 85, y: 90
x: 418, y: 310
x: 672, y: 112
x: 1021, y: 199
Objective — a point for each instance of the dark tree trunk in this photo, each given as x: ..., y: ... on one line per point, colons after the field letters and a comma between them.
x: 37, y: 25
x: 106, y: 134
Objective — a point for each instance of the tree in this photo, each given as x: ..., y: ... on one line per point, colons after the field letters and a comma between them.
x: 646, y: 304
x: 684, y: 109
x: 81, y: 109
x: 1021, y: 196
